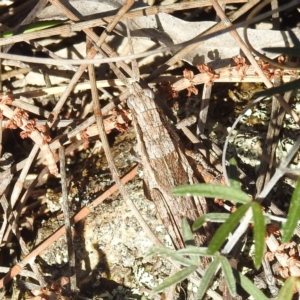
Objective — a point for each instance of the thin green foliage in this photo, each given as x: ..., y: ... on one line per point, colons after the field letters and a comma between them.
x: 178, y: 277
x: 194, y: 250
x: 225, y: 229
x: 259, y: 233
x: 233, y: 174
x: 210, y: 217
x: 218, y: 218
x: 199, y: 222
x: 34, y: 27
x: 170, y: 254
x: 228, y: 275
x: 293, y: 215
x: 287, y: 291
x: 213, y: 191
x: 187, y: 234
x: 231, y: 222
x: 207, y: 278
x: 248, y: 286
x: 188, y: 238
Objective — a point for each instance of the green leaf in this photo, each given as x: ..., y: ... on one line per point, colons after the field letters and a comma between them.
x: 287, y: 291
x: 187, y: 234
x: 212, y: 191
x: 34, y: 27
x: 223, y: 231
x: 194, y: 250
x: 233, y: 174
x: 207, y: 278
x: 212, y: 217
x: 293, y: 214
x: 188, y: 238
x: 178, y: 277
x: 228, y: 275
x: 219, y: 218
x: 283, y: 50
x: 170, y: 254
x: 280, y: 89
x: 199, y: 222
x: 259, y: 233
x: 248, y: 286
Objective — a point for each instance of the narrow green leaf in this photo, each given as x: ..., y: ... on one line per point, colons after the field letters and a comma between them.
x: 217, y: 217
x: 283, y: 50
x: 280, y: 89
x: 188, y: 238
x: 178, y: 277
x: 233, y: 174
x: 223, y: 231
x: 228, y: 275
x: 293, y: 214
x: 187, y: 234
x: 160, y: 250
x: 259, y: 233
x: 194, y: 250
x: 287, y: 291
x: 199, y: 222
x: 34, y: 27
x: 170, y: 254
x: 212, y: 191
x: 207, y: 278
x: 212, y: 217
x: 248, y: 286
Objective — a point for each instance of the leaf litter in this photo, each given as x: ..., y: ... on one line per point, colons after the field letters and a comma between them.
x: 110, y: 245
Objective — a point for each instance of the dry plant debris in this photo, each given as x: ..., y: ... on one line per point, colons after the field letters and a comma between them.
x: 46, y: 107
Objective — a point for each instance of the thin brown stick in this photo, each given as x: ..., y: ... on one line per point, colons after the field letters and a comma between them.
x: 31, y: 108
x: 24, y: 273
x: 67, y: 221
x: 8, y: 159
x: 10, y: 74
x: 204, y: 108
x: 20, y: 182
x: 17, y: 189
